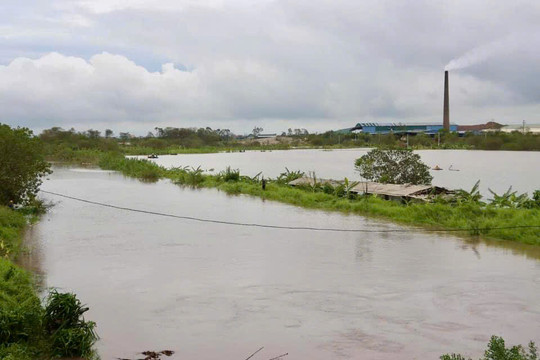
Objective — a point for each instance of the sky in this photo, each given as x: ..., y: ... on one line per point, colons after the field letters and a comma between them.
x: 133, y: 65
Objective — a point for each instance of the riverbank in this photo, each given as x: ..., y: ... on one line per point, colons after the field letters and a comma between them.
x: 28, y: 329
x: 20, y: 307
x: 466, y: 218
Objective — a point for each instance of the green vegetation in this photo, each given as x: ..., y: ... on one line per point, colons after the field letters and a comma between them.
x: 85, y: 147
x: 21, y: 335
x: 27, y: 329
x: 393, y: 167
x: 485, y: 141
x: 497, y: 350
x: 22, y: 165
x: 465, y: 211
x: 71, y: 335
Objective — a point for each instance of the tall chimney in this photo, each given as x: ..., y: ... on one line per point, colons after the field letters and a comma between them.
x: 446, y: 111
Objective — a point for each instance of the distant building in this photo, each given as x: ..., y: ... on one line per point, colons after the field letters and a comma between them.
x: 489, y: 126
x: 387, y: 128
x: 527, y: 128
x: 493, y: 126
x: 265, y: 136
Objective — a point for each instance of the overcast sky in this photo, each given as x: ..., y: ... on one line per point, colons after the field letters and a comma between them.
x: 131, y: 65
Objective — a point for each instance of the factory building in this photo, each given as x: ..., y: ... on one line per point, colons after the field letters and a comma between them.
x: 387, y: 128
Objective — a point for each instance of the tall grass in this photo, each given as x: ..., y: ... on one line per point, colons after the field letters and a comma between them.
x: 142, y: 169
x: 11, y: 226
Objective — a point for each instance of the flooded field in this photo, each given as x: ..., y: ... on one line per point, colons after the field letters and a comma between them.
x: 210, y: 291
x: 497, y: 170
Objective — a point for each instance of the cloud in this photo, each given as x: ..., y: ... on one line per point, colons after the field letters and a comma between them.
x: 316, y: 64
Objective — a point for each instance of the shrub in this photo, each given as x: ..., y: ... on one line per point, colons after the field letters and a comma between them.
x: 63, y: 320
x: 393, y: 167
x: 497, y: 350
x: 23, y: 165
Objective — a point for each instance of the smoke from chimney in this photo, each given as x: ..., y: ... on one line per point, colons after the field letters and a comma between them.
x: 446, y: 109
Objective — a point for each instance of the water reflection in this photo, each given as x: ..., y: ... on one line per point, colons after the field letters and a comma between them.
x: 157, y: 283
x: 31, y: 257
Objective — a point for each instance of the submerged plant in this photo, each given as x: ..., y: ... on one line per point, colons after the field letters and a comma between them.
x: 194, y: 176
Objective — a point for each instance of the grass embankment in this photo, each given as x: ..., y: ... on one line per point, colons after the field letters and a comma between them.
x: 20, y: 307
x: 28, y: 330
x: 476, y: 219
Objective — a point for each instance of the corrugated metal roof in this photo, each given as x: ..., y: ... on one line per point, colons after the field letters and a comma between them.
x: 391, y: 189
x: 370, y: 187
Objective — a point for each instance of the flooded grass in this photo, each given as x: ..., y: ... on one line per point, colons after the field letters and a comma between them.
x: 489, y: 222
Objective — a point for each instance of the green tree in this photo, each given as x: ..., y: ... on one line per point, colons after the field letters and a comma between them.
x: 22, y: 165
x: 393, y: 167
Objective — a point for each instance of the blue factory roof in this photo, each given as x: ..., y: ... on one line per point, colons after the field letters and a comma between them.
x: 400, y: 124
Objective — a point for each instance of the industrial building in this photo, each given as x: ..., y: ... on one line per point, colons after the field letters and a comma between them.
x: 387, y: 128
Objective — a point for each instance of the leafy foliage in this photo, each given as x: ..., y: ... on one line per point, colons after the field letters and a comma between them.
x: 63, y: 320
x: 394, y: 167
x: 288, y: 176
x: 497, y: 350
x: 470, y: 197
x: 230, y: 174
x: 512, y: 200
x: 22, y: 165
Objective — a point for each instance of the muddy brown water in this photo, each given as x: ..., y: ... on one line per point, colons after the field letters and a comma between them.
x: 211, y: 291
x: 496, y: 170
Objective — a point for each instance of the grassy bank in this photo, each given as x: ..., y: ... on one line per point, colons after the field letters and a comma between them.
x: 28, y: 329
x: 476, y: 219
x: 20, y: 307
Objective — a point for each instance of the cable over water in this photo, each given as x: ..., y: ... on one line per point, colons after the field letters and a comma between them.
x: 268, y: 226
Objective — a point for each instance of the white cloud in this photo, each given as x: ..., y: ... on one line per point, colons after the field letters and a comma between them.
x: 317, y: 64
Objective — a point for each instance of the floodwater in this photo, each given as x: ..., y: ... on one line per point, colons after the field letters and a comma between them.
x: 210, y: 291
x: 497, y: 170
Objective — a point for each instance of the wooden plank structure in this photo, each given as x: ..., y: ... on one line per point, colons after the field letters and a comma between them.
x: 387, y: 191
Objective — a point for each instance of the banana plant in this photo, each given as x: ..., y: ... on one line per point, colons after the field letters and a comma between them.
x: 349, y: 185
x: 473, y: 196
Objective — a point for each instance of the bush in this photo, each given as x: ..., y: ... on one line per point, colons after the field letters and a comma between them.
x: 497, y: 350
x: 393, y: 167
x: 22, y: 165
x: 63, y: 320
